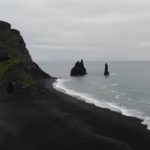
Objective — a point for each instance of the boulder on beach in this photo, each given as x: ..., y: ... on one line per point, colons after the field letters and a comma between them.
x: 106, y: 72
x: 78, y: 69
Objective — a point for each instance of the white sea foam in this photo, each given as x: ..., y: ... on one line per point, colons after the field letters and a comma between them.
x: 104, y: 87
x: 108, y: 85
x: 129, y: 98
x: 119, y: 95
x: 114, y: 74
x: 113, y: 84
x: 147, y: 122
x: 102, y: 103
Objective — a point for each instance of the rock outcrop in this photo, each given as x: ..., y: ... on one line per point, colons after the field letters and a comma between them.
x: 10, y: 88
x: 106, y: 72
x: 16, y: 65
x: 78, y: 69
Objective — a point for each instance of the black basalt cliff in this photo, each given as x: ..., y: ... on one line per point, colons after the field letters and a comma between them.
x: 78, y: 69
x: 17, y: 69
x: 106, y: 72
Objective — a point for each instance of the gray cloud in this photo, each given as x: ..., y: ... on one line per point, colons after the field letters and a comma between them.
x: 74, y: 29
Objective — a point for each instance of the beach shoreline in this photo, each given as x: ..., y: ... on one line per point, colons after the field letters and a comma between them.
x: 58, y: 85
x: 124, y: 121
x: 46, y: 118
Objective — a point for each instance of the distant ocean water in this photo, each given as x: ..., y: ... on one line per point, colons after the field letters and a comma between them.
x: 126, y: 90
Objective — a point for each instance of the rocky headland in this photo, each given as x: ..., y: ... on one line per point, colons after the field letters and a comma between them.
x: 17, y: 68
x: 78, y: 69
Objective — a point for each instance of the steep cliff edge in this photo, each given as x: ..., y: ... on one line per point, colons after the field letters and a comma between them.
x: 16, y: 65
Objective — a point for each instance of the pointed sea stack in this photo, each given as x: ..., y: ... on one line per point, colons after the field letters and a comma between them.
x: 106, y: 73
x: 78, y: 69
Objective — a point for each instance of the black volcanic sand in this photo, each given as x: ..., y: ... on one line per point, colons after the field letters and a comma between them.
x: 45, y: 119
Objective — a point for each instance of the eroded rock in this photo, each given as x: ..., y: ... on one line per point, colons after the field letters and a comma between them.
x: 78, y: 69
x: 106, y: 72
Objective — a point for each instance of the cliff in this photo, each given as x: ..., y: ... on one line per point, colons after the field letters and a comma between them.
x: 16, y: 64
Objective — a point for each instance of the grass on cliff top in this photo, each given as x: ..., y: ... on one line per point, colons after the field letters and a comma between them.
x: 23, y: 79
x: 5, y: 65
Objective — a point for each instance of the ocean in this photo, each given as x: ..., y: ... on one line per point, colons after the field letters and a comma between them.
x: 126, y: 90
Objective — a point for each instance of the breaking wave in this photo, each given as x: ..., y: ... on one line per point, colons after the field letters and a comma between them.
x: 59, y: 85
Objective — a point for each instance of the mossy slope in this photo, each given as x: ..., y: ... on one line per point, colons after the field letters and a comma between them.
x: 15, y: 60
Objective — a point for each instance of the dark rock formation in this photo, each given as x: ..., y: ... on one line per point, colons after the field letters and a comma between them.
x: 106, y: 73
x: 78, y: 69
x: 10, y: 88
x: 36, y: 73
x: 16, y: 65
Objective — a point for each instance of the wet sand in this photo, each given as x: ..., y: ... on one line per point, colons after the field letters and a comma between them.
x: 45, y: 119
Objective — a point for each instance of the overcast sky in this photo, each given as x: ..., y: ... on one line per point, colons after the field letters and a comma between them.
x: 75, y: 29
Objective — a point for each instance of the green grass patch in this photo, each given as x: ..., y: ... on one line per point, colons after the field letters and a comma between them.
x: 5, y: 65
x: 26, y: 80
x: 3, y: 45
x: 2, y: 82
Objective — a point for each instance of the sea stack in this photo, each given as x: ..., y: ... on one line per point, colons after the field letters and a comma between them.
x: 78, y: 69
x: 106, y: 73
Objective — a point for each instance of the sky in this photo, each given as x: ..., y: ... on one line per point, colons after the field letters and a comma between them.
x: 70, y: 30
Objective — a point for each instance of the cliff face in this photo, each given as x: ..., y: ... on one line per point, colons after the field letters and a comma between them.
x: 16, y: 65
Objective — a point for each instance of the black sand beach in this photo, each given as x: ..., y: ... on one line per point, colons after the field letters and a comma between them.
x: 45, y: 119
